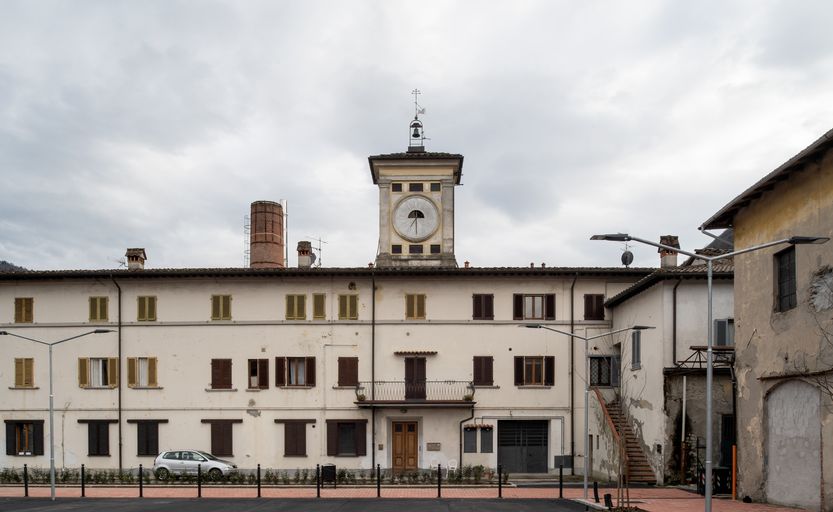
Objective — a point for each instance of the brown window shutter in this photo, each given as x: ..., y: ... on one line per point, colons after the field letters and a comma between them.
x: 216, y: 439
x: 310, y: 371
x: 421, y: 306
x: 142, y: 438
x: 489, y: 307
x: 290, y: 307
x: 227, y: 307
x: 215, y: 307
x: 348, y: 371
x: 227, y: 374
x: 29, y: 310
x: 361, y: 438
x: 216, y: 372
x: 102, y: 307
x: 517, y: 306
x: 280, y: 371
x: 588, y: 307
x: 153, y: 381
x: 409, y: 306
x: 131, y: 372
x: 478, y: 371
x: 18, y: 372
x: 151, y: 308
x: 289, y: 442
x: 549, y: 371
x: 477, y: 307
x: 228, y: 438
x: 141, y: 309
x: 549, y: 308
x: 83, y: 372
x: 295, y: 439
x: 38, y: 444
x: 354, y: 371
x: 113, y: 372
x: 519, y: 370
x: 332, y: 438
x: 263, y: 373
x: 342, y: 307
x: 93, y: 309
x: 488, y: 373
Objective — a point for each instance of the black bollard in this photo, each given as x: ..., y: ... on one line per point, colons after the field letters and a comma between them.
x: 500, y: 481
x: 318, y: 480
x: 25, y: 480
x: 199, y: 480
x: 596, y: 491
x: 561, y: 481
x: 439, y: 481
x: 141, y: 482
x: 609, y: 501
x: 378, y: 480
x: 83, y: 489
x: 258, y: 480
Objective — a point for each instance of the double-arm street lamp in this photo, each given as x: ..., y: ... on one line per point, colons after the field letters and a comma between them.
x: 586, y: 340
x: 795, y: 240
x: 51, y: 396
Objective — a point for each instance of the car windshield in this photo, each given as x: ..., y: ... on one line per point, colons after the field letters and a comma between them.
x: 208, y: 456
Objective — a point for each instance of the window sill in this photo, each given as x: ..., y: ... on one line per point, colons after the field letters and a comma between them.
x: 212, y: 390
x: 99, y: 387
x: 98, y: 455
x: 147, y: 387
x: 533, y: 386
x: 295, y: 387
x: 636, y: 367
x: 295, y: 456
x: 486, y: 386
x: 347, y: 455
x: 23, y: 388
x: 351, y: 388
x: 255, y: 390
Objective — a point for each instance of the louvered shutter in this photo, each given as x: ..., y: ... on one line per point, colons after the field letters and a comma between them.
x: 477, y: 307
x: 38, y: 441
x: 342, y: 307
x: 519, y: 371
x: 83, y: 372
x: 215, y: 373
x: 151, y: 308
x: 477, y: 372
x: 549, y: 371
x: 488, y: 372
x: 216, y: 438
x: 131, y: 372
x: 302, y: 307
x: 215, y: 307
x: 18, y: 311
x: 290, y: 307
x: 280, y: 371
x: 517, y: 306
x: 310, y: 362
x: 142, y: 435
x: 318, y: 306
x: 11, y: 449
x: 549, y: 308
x: 489, y: 307
x: 227, y: 307
x: 28, y: 372
x: 354, y: 307
x: 354, y: 371
x: 420, y: 306
x: 153, y: 381
x: 152, y: 438
x: 18, y: 372
x: 112, y: 372
x: 102, y: 308
x: 93, y: 309
x: 28, y: 310
x: 361, y: 438
x: 409, y: 306
x: 92, y: 439
x: 263, y: 373
x: 332, y: 438
x: 588, y: 307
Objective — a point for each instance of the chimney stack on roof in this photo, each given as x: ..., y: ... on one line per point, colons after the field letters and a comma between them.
x: 305, y: 256
x: 668, y: 258
x: 136, y: 258
x: 266, y: 241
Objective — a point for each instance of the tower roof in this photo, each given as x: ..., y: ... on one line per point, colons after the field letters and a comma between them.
x: 416, y: 157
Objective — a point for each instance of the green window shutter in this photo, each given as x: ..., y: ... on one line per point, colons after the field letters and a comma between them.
x: 131, y: 372
x: 354, y: 307
x: 319, y: 306
x: 102, y: 307
x: 226, y: 307
x: 342, y: 307
x: 18, y: 310
x: 151, y: 308
x: 409, y: 306
x: 301, y: 307
x: 18, y: 373
x: 215, y: 307
x: 141, y: 304
x: 290, y: 307
x: 83, y: 372
x: 93, y: 309
x: 152, y: 380
x: 420, y: 306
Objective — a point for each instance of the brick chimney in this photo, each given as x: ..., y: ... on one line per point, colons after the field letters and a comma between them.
x: 266, y: 241
x: 305, y: 256
x: 136, y: 259
x: 668, y: 258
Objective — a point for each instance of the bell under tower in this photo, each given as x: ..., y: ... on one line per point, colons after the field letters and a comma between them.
x: 416, y: 203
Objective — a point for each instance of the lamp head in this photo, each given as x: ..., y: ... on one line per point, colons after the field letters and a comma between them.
x: 531, y: 326
x: 642, y: 327
x: 3, y: 333
x: 612, y: 237
x: 802, y: 240
x: 102, y: 331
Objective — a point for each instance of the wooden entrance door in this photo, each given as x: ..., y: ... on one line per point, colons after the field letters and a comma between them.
x: 405, y: 443
x: 414, y: 378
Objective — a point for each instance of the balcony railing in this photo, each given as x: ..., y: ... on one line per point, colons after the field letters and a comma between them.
x: 393, y: 391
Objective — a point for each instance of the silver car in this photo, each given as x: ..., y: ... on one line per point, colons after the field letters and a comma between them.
x: 185, y: 462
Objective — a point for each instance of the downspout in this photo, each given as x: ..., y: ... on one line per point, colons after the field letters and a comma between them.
x: 119, y: 373
x: 674, y: 322
x: 373, y: 367
x: 460, y: 431
x: 572, y: 376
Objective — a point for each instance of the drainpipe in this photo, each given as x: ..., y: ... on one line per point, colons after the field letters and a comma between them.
x: 119, y: 373
x: 674, y: 322
x: 373, y: 366
x: 460, y: 431
x: 573, y: 375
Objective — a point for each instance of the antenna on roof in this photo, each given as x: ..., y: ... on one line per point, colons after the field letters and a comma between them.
x: 317, y: 261
x: 247, y: 226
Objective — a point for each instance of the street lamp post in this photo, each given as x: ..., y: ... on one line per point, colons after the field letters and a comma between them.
x: 51, y: 397
x: 586, y: 340
x: 795, y: 240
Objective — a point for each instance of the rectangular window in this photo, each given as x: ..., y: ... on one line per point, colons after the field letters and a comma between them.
x: 470, y: 440
x: 146, y: 309
x: 98, y: 309
x: 604, y: 371
x: 486, y: 440
x: 483, y: 373
x: 415, y: 306
x: 141, y: 372
x: 24, y: 372
x: 347, y: 438
x: 258, y: 374
x: 296, y: 307
x: 98, y: 372
x: 414, y: 249
x: 221, y: 374
x: 436, y: 187
x: 148, y: 438
x: 348, y: 371
x: 23, y: 310
x: 415, y: 187
x: 483, y: 306
x: 534, y: 307
x: 594, y: 308
x: 435, y: 248
x: 786, y: 297
x: 396, y: 249
x: 294, y: 371
x: 221, y: 307
x: 222, y: 442
x: 396, y: 187
x: 534, y: 370
x: 636, y: 350
x: 98, y: 436
x: 295, y: 439
x: 319, y: 306
x: 348, y: 307
x: 24, y: 438
x: 724, y: 332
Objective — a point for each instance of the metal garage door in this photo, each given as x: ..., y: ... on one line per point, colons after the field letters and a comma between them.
x: 522, y: 445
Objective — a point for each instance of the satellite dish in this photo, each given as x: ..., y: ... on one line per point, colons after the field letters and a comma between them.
x: 627, y: 258
x: 312, y: 258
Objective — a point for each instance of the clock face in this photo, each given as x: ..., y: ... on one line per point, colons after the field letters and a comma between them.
x: 416, y: 218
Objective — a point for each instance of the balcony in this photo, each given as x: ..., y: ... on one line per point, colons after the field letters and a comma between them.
x: 430, y: 393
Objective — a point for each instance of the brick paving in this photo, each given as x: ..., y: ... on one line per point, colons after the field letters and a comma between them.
x: 649, y: 499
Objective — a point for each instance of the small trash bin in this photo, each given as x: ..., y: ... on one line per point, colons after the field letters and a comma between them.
x: 328, y: 474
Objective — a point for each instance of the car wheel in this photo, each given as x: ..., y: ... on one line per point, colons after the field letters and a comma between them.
x: 162, y: 474
x: 215, y: 474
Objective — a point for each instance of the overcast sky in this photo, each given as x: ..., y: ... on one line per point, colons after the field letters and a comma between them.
x: 156, y: 124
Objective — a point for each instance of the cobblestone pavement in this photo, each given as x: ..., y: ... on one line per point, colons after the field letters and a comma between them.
x: 649, y: 499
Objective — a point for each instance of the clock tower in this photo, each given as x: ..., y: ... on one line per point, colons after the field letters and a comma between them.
x: 416, y: 204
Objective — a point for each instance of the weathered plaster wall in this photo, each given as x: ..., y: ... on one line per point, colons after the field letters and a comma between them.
x: 774, y: 345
